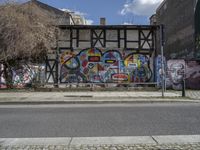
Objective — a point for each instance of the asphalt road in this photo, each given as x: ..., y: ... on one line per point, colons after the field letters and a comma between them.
x: 17, y: 121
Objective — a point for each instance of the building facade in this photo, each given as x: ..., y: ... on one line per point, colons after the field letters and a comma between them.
x: 197, y: 29
x: 181, y: 20
x: 103, y: 54
x: 153, y: 20
x: 60, y: 17
x: 178, y: 18
x: 57, y: 16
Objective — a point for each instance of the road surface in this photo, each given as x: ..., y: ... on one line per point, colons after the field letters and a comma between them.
x: 97, y: 120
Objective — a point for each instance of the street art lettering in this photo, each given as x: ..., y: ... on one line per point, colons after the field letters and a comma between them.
x: 120, y: 77
x: 95, y: 66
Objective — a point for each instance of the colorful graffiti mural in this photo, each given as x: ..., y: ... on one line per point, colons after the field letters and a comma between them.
x: 90, y: 60
x: 94, y: 66
x: 70, y: 68
x: 24, y: 75
x: 158, y: 66
x: 138, y: 67
x: 176, y: 71
x: 2, y: 78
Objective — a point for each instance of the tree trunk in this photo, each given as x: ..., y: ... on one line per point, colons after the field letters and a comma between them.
x: 8, y: 75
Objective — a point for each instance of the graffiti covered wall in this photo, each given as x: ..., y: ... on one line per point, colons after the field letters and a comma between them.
x: 193, y: 75
x: 158, y: 66
x: 2, y: 79
x: 175, y: 73
x: 97, y: 66
x: 24, y: 75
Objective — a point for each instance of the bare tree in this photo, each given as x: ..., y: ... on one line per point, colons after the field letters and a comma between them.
x: 25, y: 33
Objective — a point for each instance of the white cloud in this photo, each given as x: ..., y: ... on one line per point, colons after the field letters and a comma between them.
x: 127, y: 23
x: 89, y: 22
x: 82, y: 14
x: 75, y: 12
x: 140, y: 7
x: 66, y: 10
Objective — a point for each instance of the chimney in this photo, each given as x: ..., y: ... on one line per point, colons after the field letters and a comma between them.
x: 103, y: 21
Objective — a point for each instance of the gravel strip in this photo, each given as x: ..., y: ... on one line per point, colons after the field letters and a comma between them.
x: 193, y: 146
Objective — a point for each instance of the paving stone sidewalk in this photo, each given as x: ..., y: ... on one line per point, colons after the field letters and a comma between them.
x: 115, y: 94
x: 86, y: 96
x: 189, y: 146
x: 193, y: 94
x: 106, y: 96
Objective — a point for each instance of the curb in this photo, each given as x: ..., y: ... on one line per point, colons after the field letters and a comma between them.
x: 78, y: 141
x: 135, y: 101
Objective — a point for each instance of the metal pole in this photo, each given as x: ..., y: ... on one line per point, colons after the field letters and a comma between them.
x: 162, y: 57
x: 183, y: 82
x: 0, y: 74
x: 57, y: 60
x: 183, y: 87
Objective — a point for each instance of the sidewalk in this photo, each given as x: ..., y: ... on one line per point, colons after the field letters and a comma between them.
x: 95, y: 97
x: 193, y: 94
x: 178, y: 142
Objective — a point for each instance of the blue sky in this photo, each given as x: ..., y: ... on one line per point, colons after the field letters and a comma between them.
x: 115, y: 11
x: 94, y: 9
